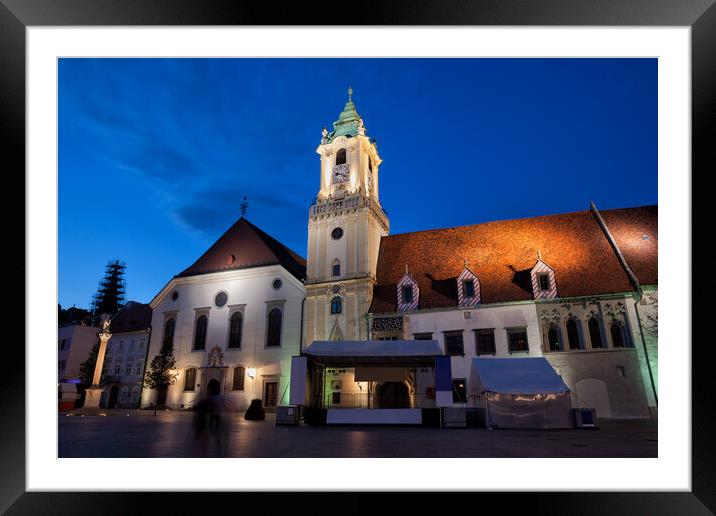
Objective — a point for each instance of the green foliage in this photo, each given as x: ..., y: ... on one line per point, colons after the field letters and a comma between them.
x: 87, y: 367
x: 161, y: 372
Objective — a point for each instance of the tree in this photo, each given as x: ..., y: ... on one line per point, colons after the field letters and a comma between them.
x: 161, y: 373
x: 87, y: 367
x: 109, y: 297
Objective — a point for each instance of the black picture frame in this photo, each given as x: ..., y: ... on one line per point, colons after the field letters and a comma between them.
x: 700, y: 15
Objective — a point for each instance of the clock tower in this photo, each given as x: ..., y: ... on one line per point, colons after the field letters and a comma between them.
x: 345, y: 225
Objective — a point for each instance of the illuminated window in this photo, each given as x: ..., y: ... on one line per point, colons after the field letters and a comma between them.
x: 235, y: 325
x: 273, y: 337
x: 190, y: 379
x: 239, y: 374
x: 459, y: 392
x: 200, y: 333
x: 341, y: 157
x: 336, y: 305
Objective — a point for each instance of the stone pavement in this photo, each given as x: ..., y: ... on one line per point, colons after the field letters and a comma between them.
x: 172, y: 434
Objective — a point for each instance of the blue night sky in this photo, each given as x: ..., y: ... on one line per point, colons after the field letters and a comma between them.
x: 156, y: 155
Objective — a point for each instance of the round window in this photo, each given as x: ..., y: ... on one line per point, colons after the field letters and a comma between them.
x: 277, y: 283
x: 337, y: 233
x: 221, y: 299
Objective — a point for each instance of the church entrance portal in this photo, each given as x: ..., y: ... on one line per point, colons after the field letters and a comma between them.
x: 213, y: 388
x: 393, y: 395
x: 113, y: 395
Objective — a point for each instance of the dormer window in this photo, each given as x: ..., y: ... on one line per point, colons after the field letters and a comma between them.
x: 468, y: 288
x: 408, y: 293
x: 543, y: 281
x: 544, y: 285
x: 341, y: 157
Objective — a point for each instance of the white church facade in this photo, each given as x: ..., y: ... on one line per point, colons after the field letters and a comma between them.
x: 405, y: 322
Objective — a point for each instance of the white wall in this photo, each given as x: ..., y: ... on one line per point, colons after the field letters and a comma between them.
x: 249, y: 290
x: 82, y: 339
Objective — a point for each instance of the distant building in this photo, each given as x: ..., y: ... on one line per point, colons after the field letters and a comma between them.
x: 74, y: 343
x: 126, y: 355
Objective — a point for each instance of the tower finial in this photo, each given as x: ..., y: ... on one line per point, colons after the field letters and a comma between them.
x: 244, y: 207
x: 539, y: 255
x: 406, y: 268
x: 465, y: 261
x: 350, y: 93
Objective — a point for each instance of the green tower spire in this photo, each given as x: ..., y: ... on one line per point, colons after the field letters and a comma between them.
x: 349, y: 122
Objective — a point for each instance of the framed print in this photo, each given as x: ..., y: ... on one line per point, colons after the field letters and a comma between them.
x: 480, y: 313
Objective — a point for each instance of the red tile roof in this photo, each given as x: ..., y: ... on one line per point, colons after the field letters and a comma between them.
x: 502, y: 254
x: 245, y: 245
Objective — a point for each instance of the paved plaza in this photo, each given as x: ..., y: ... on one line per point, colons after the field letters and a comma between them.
x: 172, y: 434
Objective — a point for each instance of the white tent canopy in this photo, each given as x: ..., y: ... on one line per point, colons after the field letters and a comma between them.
x: 515, y: 376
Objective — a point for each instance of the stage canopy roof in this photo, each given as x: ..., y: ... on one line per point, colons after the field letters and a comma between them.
x: 374, y: 351
x: 516, y: 376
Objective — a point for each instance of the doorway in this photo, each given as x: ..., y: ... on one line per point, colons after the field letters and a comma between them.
x: 113, y: 395
x: 393, y: 395
x: 270, y: 395
x: 213, y: 388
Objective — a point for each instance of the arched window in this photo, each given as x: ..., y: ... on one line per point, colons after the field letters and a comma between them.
x: 572, y: 334
x: 336, y: 267
x: 168, y: 343
x: 200, y: 333
x: 336, y: 305
x: 235, y: 325
x: 553, y: 339
x: 617, y: 334
x: 595, y: 333
x: 341, y: 157
x: 273, y: 336
x: 190, y: 379
x: 238, y: 383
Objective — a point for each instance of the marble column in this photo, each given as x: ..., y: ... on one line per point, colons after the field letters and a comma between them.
x: 94, y: 393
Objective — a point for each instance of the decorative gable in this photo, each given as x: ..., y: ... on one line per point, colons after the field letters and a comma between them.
x: 468, y: 288
x: 408, y: 293
x: 544, y: 285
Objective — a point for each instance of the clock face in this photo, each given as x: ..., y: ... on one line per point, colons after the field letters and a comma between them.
x: 340, y: 173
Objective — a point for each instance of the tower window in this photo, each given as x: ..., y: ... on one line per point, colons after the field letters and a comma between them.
x: 336, y: 305
x: 341, y: 157
x: 336, y: 267
x: 407, y: 294
x: 572, y: 334
x: 468, y: 287
x: 543, y: 281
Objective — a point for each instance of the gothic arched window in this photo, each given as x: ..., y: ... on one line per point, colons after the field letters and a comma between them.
x: 336, y: 305
x: 235, y: 324
x: 572, y: 334
x: 190, y: 379
x: 336, y: 267
x: 273, y: 336
x: 341, y: 157
x: 200, y: 333
x: 617, y: 334
x: 595, y: 333
x: 553, y: 339
x: 168, y: 343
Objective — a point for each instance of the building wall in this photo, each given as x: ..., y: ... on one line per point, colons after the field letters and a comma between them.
x: 124, y: 363
x: 249, y: 291
x: 79, y: 343
x: 648, y: 316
